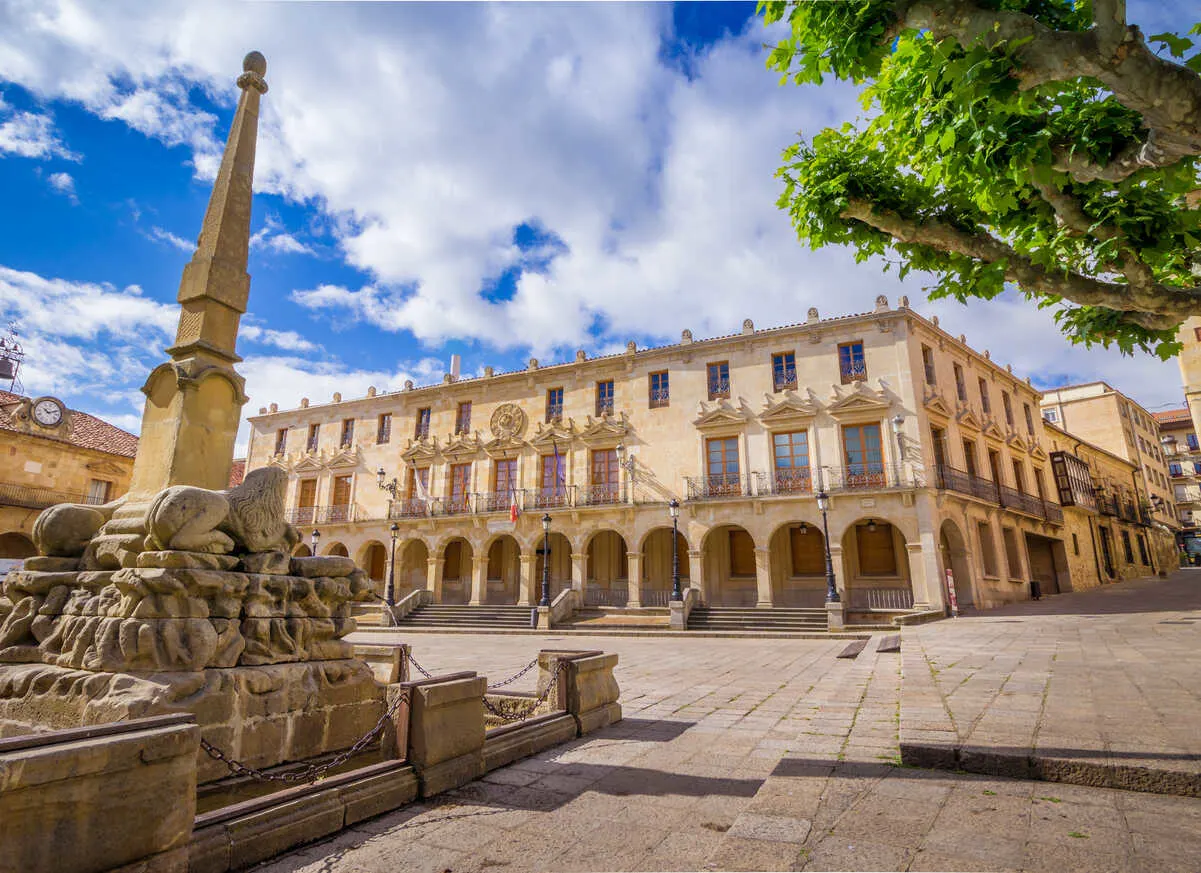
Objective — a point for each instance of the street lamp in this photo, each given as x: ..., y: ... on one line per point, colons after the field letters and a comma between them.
x: 823, y: 504
x: 393, y: 487
x: 390, y: 587
x: 898, y: 422
x: 674, y: 508
x: 626, y: 462
x: 545, y: 561
x: 315, y: 538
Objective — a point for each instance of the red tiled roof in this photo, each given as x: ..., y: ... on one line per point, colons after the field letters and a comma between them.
x: 87, y: 431
x: 1172, y: 416
x: 237, y: 472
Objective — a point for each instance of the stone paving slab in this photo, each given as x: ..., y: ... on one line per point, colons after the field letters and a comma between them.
x: 1094, y: 688
x: 751, y: 755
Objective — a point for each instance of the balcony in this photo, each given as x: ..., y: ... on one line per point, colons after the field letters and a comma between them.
x: 410, y: 507
x: 604, y: 406
x: 865, y: 477
x: 422, y: 432
x: 601, y: 494
x: 784, y: 380
x: 37, y: 498
x: 855, y: 371
x: 717, y: 486
x: 719, y: 388
x: 456, y: 504
x: 336, y: 514
x: 498, y: 501
x: 659, y: 398
x: 792, y: 481
x: 554, y: 413
x: 950, y: 479
x: 558, y: 497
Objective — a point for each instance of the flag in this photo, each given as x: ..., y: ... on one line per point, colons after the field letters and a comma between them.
x: 514, y: 511
x: 419, y: 485
x: 559, y: 483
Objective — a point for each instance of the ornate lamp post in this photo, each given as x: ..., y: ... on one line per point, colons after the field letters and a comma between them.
x: 545, y: 601
x: 823, y: 504
x: 390, y: 586
x: 625, y: 461
x: 898, y: 423
x: 674, y: 508
x: 314, y: 538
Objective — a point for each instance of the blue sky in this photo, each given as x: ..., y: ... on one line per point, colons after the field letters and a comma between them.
x: 500, y: 181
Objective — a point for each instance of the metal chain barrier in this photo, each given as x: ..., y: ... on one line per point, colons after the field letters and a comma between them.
x: 424, y: 672
x: 312, y: 772
x: 527, y: 668
x: 533, y: 707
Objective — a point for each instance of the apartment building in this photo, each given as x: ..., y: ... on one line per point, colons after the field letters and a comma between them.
x: 1183, y: 454
x: 1107, y: 418
x: 933, y: 456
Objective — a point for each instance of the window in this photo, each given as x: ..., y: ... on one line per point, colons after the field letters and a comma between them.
x: 1197, y: 467
x: 1051, y: 415
x: 1075, y: 545
x: 783, y: 371
x: 985, y: 402
x: 422, y: 431
x: 419, y: 482
x: 969, y: 457
x: 306, y: 499
x: 1012, y: 559
x: 605, y: 476
x: 504, y: 483
x: 1005, y: 402
x: 554, y: 404
x: 742, y: 553
x: 938, y: 441
x: 960, y: 384
x: 463, y: 418
x: 1126, y: 549
x: 1175, y: 470
x: 604, y: 398
x: 281, y: 440
x: 719, y: 379
x: 1029, y: 418
x: 383, y: 428
x: 1191, y: 439
x: 988, y: 549
x: 863, y: 454
x: 1039, y: 487
x: 660, y: 393
x: 551, y: 480
x: 460, y: 484
x: 876, y: 549
x: 928, y: 365
x: 1197, y: 333
x: 314, y: 434
x: 852, y: 367
x: 791, y: 459
x: 722, y: 465
x: 347, y: 433
x: 994, y: 466
x: 1142, y: 550
x: 340, y: 497
x: 1019, y: 477
x: 98, y: 491
x: 808, y: 552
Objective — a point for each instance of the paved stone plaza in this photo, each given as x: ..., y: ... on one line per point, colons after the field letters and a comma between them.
x: 749, y: 754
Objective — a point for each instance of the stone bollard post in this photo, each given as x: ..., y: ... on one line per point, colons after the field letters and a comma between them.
x: 836, y: 615
x: 446, y: 731
x: 676, y: 619
x: 587, y: 687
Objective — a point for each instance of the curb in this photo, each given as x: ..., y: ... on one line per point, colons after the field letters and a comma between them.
x: 554, y: 632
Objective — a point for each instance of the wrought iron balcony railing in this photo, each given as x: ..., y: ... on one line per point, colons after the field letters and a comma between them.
x: 334, y: 514
x: 852, y: 372
x: 555, y: 497
x: 865, y: 477
x: 456, y: 504
x: 660, y: 397
x: 602, y: 493
x: 719, y: 388
x: 499, y: 501
x: 554, y: 412
x: 792, y: 481
x: 784, y: 379
x: 604, y: 406
x: 718, y: 485
x: 31, y: 497
x: 410, y: 507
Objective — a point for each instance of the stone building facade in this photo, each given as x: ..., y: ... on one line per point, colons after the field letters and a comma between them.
x: 935, y: 459
x: 1105, y: 417
x: 1183, y: 453
x: 51, y: 454
x: 1109, y: 534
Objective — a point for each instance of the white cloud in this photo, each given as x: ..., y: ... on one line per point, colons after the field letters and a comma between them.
x: 158, y: 234
x: 64, y: 184
x: 434, y: 130
x: 30, y: 135
x: 288, y: 340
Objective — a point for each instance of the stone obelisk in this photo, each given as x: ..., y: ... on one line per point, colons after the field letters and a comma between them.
x: 194, y: 400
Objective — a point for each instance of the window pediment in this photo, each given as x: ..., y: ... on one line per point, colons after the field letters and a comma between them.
x: 991, y: 430
x: 720, y: 415
x: 461, y: 446
x: 343, y: 458
x: 1036, y: 451
x: 791, y: 409
x: 307, y: 464
x: 420, y: 451
x: 935, y: 403
x: 105, y: 468
x: 608, y: 428
x: 503, y: 446
x: 1017, y: 442
x: 966, y: 417
x: 861, y: 401
x: 549, y: 435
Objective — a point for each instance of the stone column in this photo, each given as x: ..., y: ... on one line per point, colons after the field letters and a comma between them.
x: 695, y: 570
x: 763, y: 577
x: 529, y: 581
x: 577, y: 570
x: 634, y: 578
x: 924, y: 574
x: 840, y: 575
x: 433, y: 574
x: 479, y: 578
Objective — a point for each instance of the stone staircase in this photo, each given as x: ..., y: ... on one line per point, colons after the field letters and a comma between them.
x: 780, y: 619
x: 463, y: 617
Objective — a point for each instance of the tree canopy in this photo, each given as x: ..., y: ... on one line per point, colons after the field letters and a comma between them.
x: 1047, y: 144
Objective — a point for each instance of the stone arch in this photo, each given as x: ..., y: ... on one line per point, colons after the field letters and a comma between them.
x: 797, y: 561
x: 606, y: 580
x: 953, y: 556
x: 338, y: 549
x: 16, y: 545
x: 502, y: 572
x: 875, y: 565
x: 729, y: 567
x: 301, y: 551
x: 412, y: 568
x: 373, y: 558
x: 656, y: 566
x: 454, y: 583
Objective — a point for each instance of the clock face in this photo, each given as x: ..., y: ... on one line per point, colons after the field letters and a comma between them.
x: 47, y: 412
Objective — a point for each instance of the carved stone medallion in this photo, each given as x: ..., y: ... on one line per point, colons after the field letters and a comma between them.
x: 508, y: 421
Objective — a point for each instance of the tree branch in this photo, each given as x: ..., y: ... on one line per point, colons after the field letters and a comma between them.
x: 1167, y: 95
x: 1157, y: 306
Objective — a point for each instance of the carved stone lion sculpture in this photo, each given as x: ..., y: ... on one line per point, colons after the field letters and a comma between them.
x: 249, y: 518
x: 65, y: 529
